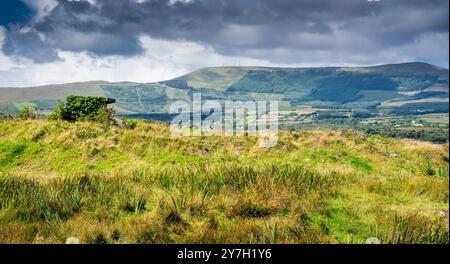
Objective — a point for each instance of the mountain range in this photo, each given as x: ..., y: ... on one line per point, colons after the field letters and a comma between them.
x: 406, y: 88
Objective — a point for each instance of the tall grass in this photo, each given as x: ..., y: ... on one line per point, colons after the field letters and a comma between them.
x: 141, y: 186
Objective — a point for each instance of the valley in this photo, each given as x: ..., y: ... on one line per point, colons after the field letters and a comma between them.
x: 334, y: 97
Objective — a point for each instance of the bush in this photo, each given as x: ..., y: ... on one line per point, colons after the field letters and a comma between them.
x: 130, y: 124
x: 84, y: 108
x: 7, y: 116
x: 27, y: 112
x: 59, y: 113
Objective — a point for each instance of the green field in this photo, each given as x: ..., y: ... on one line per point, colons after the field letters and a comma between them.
x: 61, y: 179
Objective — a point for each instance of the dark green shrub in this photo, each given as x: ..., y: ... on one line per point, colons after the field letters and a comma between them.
x: 84, y: 108
x: 130, y: 124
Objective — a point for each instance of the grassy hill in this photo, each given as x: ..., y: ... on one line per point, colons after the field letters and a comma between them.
x: 60, y: 179
x: 414, y: 87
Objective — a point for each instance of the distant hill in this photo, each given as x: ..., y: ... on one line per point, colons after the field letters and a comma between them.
x: 393, y: 88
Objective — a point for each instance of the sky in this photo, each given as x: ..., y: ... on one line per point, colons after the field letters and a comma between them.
x: 60, y: 41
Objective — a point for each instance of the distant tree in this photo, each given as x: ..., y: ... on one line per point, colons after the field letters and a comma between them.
x: 7, y: 115
x: 28, y: 112
x: 361, y: 114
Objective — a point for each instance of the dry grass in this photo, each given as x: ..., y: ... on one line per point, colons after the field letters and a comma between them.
x: 61, y: 179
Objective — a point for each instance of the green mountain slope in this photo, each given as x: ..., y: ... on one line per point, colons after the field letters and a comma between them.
x: 395, y: 88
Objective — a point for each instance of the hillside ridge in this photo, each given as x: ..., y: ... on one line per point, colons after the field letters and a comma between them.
x: 417, y: 85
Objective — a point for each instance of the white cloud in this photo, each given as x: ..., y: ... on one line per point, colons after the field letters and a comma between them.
x: 162, y: 60
x: 172, y: 2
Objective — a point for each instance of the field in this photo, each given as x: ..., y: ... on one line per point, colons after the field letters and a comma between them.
x: 427, y: 127
x: 61, y: 179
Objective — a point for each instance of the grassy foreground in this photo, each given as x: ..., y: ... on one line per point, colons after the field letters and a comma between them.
x: 60, y: 180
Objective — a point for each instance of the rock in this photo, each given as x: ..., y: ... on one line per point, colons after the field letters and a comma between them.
x: 393, y: 154
x: 72, y: 240
x: 373, y: 240
x: 118, y: 122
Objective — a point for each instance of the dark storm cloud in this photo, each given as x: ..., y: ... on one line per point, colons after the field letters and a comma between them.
x: 28, y: 43
x: 236, y: 27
